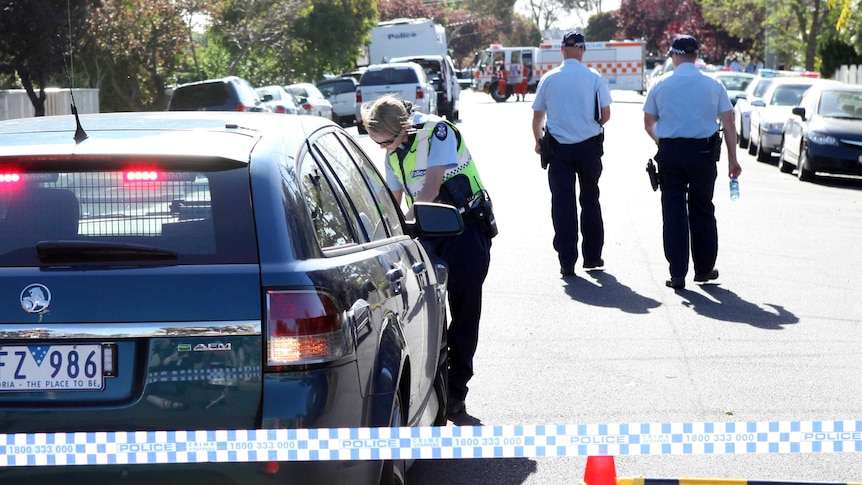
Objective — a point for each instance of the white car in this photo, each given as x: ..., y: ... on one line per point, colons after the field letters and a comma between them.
x: 770, y: 113
x: 311, y: 99
x: 742, y: 108
x: 341, y: 93
x: 406, y: 80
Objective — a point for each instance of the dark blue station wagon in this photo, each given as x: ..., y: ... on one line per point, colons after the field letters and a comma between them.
x: 212, y: 271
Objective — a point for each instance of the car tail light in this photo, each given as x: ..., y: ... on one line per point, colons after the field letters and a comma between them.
x: 307, y: 107
x: 241, y: 107
x: 141, y: 176
x: 358, y: 96
x: 280, y: 109
x: 304, y: 327
x: 10, y: 178
x: 419, y: 93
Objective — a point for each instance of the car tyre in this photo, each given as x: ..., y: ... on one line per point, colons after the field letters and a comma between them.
x: 395, y: 471
x: 495, y: 93
x: 441, y: 380
x: 762, y: 155
x: 361, y: 129
x: 804, y: 173
x: 783, y: 165
x: 752, y: 148
x: 743, y: 141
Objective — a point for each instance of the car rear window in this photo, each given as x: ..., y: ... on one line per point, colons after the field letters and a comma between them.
x: 151, y: 216
x: 200, y: 96
x: 389, y: 76
x: 336, y: 87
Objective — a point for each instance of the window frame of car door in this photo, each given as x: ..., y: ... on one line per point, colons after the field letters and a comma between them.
x: 344, y: 198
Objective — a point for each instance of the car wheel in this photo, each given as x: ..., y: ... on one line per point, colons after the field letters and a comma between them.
x: 395, y: 471
x: 361, y: 129
x: 752, y: 148
x: 743, y: 141
x: 804, y: 173
x: 495, y: 93
x: 763, y: 155
x: 783, y: 165
x: 441, y: 380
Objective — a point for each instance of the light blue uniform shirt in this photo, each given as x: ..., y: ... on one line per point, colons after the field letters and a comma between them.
x: 687, y: 103
x: 567, y: 95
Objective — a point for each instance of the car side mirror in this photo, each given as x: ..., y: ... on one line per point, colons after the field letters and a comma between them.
x: 759, y: 103
x: 434, y: 219
x: 741, y: 96
x: 799, y: 111
x: 266, y: 98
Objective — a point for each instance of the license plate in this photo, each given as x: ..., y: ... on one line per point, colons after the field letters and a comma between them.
x: 49, y: 367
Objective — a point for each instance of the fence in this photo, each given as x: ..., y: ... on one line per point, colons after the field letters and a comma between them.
x: 14, y: 103
x: 849, y: 74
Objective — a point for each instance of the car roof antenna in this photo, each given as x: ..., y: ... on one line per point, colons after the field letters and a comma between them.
x: 80, y: 134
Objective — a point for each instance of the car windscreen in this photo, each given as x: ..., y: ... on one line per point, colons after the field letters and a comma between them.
x: 200, y: 96
x: 144, y: 214
x: 841, y: 104
x: 788, y: 95
x: 389, y: 76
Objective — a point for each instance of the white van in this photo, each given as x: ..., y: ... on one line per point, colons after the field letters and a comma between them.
x: 441, y: 73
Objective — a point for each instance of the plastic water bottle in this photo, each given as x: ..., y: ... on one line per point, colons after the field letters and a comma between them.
x: 734, y: 188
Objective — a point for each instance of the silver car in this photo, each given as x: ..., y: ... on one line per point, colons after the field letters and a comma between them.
x: 311, y: 99
x: 407, y: 80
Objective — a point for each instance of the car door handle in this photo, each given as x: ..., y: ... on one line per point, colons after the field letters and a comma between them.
x: 395, y: 275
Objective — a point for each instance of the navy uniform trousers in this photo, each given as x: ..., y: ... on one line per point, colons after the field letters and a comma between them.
x: 468, y: 256
x: 688, y: 174
x: 582, y: 162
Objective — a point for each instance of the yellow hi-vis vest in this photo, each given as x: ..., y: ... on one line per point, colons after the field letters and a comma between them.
x: 413, y: 167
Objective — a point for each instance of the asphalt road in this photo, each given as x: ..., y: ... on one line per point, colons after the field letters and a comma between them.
x: 779, y: 338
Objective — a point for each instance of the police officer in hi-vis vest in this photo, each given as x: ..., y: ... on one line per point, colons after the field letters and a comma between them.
x: 428, y: 161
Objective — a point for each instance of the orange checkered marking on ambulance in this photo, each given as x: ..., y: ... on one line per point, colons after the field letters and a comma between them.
x: 623, y: 67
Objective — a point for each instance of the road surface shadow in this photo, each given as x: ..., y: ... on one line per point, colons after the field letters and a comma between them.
x: 470, y: 471
x: 727, y: 306
x: 602, y: 289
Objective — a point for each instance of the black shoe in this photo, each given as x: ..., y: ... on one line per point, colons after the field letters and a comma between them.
x: 675, y: 282
x: 456, y: 406
x: 596, y: 264
x: 703, y: 278
x: 567, y: 270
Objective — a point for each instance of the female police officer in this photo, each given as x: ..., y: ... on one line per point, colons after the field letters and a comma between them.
x: 428, y: 161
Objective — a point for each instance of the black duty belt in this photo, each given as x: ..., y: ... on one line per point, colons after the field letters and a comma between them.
x: 689, y: 141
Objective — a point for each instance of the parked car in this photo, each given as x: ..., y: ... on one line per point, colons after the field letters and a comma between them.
x: 440, y: 70
x: 407, y: 80
x: 824, y: 133
x: 341, y: 94
x: 225, y: 94
x: 311, y: 99
x: 212, y: 271
x: 280, y: 101
x: 742, y: 108
x: 772, y: 111
x: 734, y: 82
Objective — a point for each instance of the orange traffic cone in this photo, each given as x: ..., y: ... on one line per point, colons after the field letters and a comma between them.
x: 600, y: 471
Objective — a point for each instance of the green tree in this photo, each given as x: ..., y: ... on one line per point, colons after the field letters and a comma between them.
x: 136, y: 48
x: 546, y: 13
x: 602, y: 26
x: 329, y: 36
x: 37, y: 39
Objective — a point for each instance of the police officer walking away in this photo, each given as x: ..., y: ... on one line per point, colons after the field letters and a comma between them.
x: 576, y: 102
x: 428, y: 161
x: 680, y: 115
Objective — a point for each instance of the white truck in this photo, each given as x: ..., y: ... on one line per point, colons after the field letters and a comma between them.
x: 406, y: 37
x: 621, y: 64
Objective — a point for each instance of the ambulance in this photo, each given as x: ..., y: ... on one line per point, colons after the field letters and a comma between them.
x: 621, y: 64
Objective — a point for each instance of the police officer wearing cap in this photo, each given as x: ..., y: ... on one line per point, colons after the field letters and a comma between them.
x: 681, y: 114
x: 428, y: 161
x: 572, y: 104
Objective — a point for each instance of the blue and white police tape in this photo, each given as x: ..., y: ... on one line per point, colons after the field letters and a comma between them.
x: 516, y: 441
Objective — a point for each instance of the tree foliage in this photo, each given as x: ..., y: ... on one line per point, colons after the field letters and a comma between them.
x: 546, y: 13
x: 136, y: 47
x: 37, y: 40
x: 657, y: 21
x: 602, y: 26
